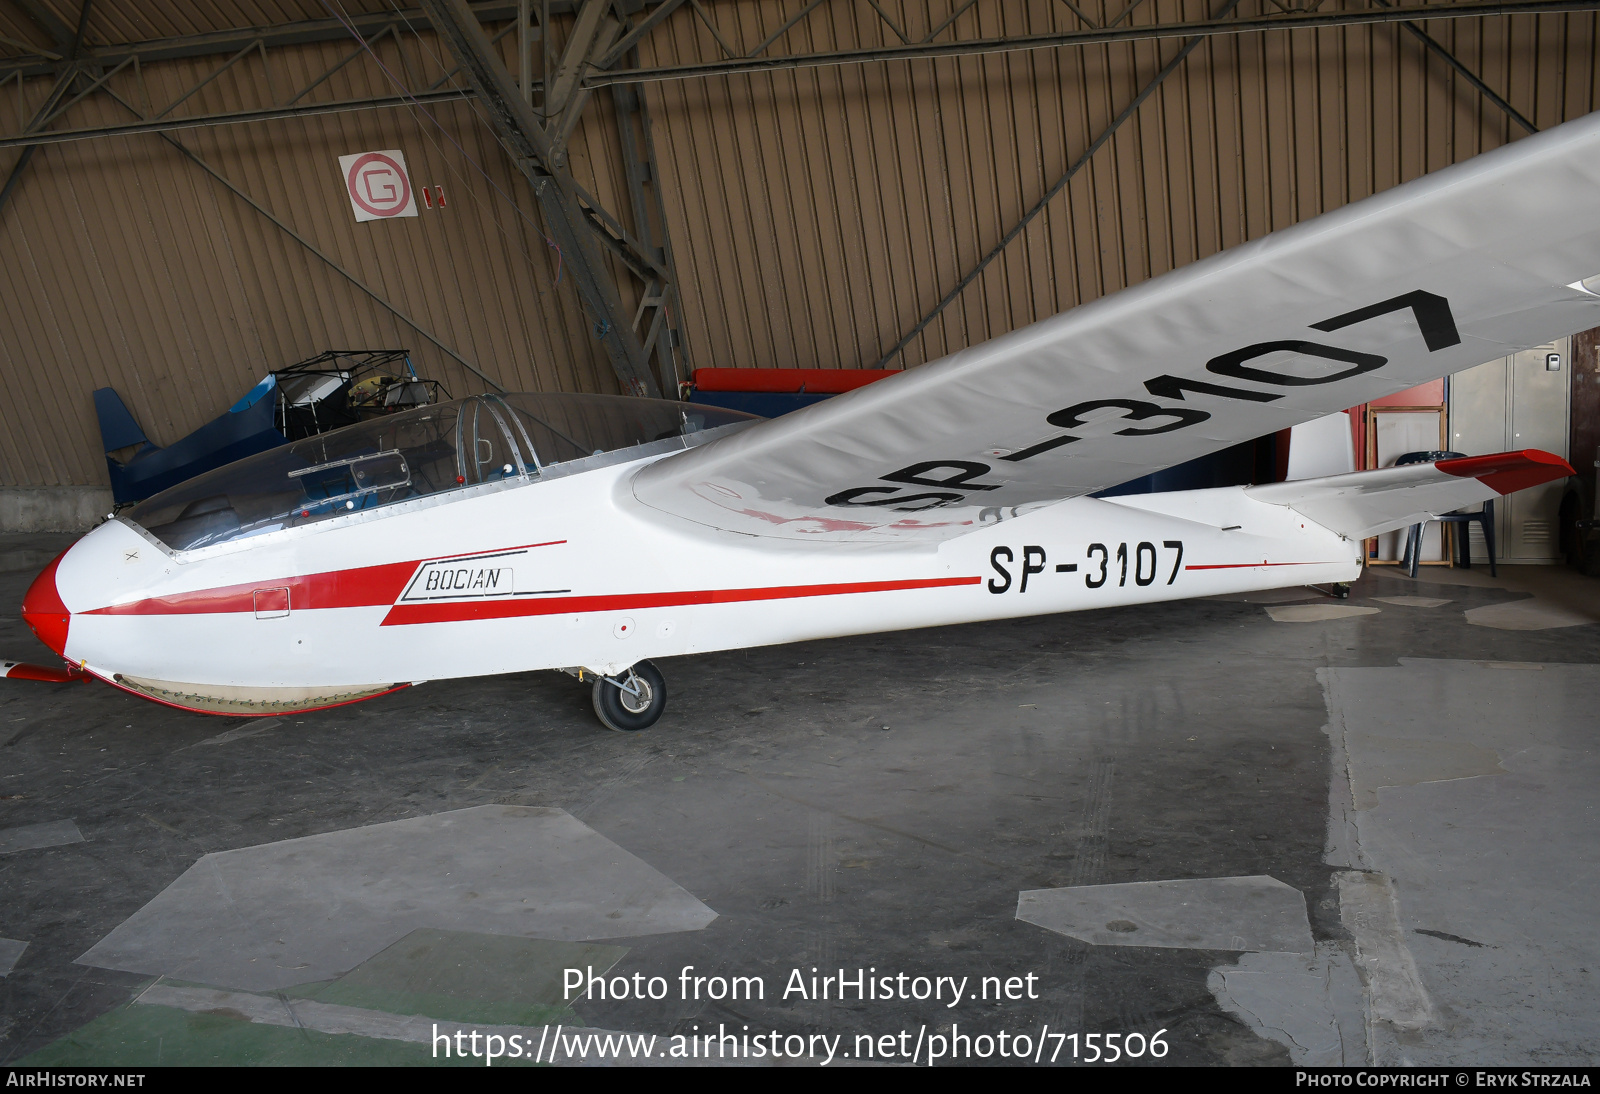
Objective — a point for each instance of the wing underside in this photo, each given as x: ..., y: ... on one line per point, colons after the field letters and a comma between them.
x: 1438, y: 275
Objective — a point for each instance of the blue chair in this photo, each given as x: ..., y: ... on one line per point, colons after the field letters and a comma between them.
x: 1484, y: 517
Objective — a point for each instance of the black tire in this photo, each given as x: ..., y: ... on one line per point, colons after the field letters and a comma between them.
x: 616, y: 708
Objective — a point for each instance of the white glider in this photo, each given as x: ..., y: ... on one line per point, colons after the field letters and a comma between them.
x: 502, y: 534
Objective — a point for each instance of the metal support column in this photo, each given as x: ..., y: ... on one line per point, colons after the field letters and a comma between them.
x: 530, y: 148
x: 659, y: 303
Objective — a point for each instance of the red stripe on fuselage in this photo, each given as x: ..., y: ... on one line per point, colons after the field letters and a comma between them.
x: 365, y: 587
x: 361, y: 587
x: 1250, y: 565
x: 408, y: 614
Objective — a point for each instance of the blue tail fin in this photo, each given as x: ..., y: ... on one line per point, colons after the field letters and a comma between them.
x: 117, y: 427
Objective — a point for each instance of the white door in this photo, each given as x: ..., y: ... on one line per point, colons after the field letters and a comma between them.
x: 1513, y: 403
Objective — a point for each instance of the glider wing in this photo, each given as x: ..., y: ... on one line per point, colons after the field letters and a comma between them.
x: 1464, y: 265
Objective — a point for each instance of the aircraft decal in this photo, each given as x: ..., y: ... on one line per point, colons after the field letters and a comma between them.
x: 952, y: 481
x: 727, y: 498
x: 459, y: 611
x: 1142, y: 563
x: 471, y: 577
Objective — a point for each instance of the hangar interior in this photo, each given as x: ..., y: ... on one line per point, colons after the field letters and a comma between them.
x: 1278, y: 827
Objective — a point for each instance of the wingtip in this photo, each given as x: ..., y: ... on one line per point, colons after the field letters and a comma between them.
x: 1508, y: 472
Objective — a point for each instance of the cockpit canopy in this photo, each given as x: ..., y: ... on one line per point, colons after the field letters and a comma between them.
x: 430, y: 450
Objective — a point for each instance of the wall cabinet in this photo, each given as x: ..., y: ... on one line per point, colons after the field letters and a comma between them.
x: 1513, y: 403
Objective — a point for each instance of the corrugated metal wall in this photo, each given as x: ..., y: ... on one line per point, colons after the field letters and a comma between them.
x: 816, y: 214
x: 819, y: 214
x: 122, y: 263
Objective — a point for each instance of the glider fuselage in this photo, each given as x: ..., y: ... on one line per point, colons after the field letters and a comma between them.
x: 574, y: 573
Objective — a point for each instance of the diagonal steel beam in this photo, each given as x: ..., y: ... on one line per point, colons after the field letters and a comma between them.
x: 235, y: 117
x: 1466, y: 73
x: 1256, y: 24
x: 272, y: 35
x: 790, y: 22
x: 64, y: 82
x: 377, y: 297
x: 951, y: 18
x: 40, y: 116
x: 565, y: 97
x: 46, y: 20
x: 1060, y: 184
x: 642, y: 28
x: 340, y: 270
x: 575, y: 54
x: 30, y: 47
x: 15, y: 176
x: 530, y: 148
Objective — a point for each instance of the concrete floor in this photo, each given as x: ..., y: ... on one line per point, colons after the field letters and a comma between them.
x: 1420, y: 773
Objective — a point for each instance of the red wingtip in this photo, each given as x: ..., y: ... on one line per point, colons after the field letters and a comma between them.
x: 1507, y: 472
x: 43, y: 610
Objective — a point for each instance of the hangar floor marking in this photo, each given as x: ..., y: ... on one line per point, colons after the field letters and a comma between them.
x: 1509, y: 862
x: 250, y: 728
x: 1314, y: 1004
x: 1317, y: 613
x: 1379, y: 761
x: 32, y: 837
x: 279, y: 914
x: 467, y: 977
x: 1532, y: 614
x: 1268, y: 596
x: 10, y: 954
x: 449, y: 979
x: 1474, y: 841
x: 1220, y: 913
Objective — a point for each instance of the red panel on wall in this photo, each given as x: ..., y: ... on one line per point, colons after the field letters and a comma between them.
x: 1428, y: 394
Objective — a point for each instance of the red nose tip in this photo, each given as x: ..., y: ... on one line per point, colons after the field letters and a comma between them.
x: 43, y: 610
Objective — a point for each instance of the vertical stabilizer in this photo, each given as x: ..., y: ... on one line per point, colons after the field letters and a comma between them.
x: 1322, y: 447
x: 117, y: 427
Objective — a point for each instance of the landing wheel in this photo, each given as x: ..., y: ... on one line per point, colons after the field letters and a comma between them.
x: 632, y: 700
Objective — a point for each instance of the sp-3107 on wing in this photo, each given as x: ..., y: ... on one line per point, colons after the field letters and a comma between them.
x: 500, y: 534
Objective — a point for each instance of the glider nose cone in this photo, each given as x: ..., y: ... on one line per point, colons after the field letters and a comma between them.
x: 43, y: 610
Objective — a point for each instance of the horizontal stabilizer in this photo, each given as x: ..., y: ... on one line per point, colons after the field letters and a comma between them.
x: 1367, y: 503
